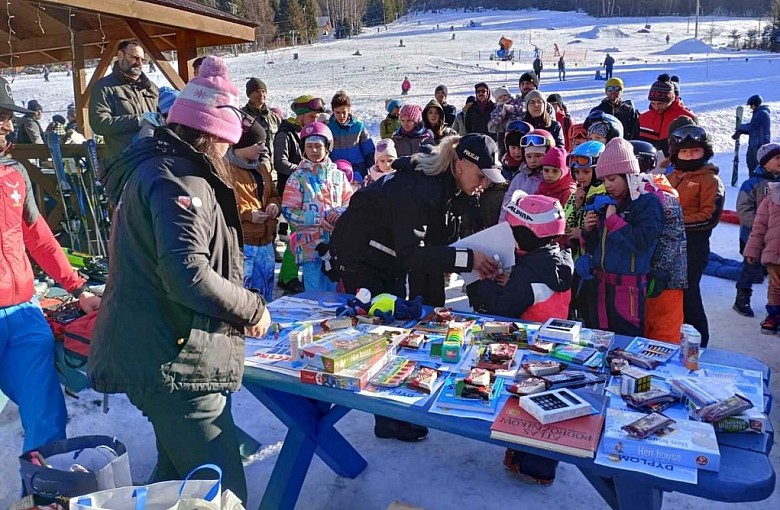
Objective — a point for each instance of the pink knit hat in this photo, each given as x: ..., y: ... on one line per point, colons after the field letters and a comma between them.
x: 199, y: 104
x: 556, y: 157
x: 411, y: 111
x: 617, y: 159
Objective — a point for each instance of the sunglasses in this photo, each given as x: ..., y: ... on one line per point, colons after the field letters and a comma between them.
x: 247, y: 120
x: 689, y: 133
x: 575, y: 162
x: 315, y: 104
x: 612, y: 88
x: 534, y: 141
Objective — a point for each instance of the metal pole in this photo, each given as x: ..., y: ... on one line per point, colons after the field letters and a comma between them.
x: 696, y: 27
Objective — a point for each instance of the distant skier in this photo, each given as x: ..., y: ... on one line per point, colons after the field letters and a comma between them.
x: 561, y: 69
x: 667, y: 38
x: 406, y: 86
x: 538, y: 66
x: 557, y: 50
x: 759, y: 130
x: 45, y: 73
x: 608, y: 64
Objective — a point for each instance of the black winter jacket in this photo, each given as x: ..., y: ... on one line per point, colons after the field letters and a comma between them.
x: 401, y: 223
x: 449, y: 113
x: 288, y: 151
x: 477, y: 120
x: 625, y: 113
x: 174, y: 308
x: 554, y: 128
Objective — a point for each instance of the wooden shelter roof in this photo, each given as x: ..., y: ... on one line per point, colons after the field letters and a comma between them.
x: 47, y: 31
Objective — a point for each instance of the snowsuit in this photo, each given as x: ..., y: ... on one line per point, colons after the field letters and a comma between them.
x: 27, y: 373
x: 288, y: 153
x: 764, y: 241
x: 502, y: 115
x: 701, y: 195
x: 669, y: 268
x: 621, y: 250
x: 538, y: 66
x: 752, y: 192
x: 759, y: 130
x: 539, y: 287
x: 561, y: 69
x: 575, y: 217
x: 525, y: 179
x: 352, y: 142
x: 388, y: 127
x: 312, y: 191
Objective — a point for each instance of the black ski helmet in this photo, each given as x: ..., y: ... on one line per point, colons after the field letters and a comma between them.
x: 755, y: 100
x: 646, y: 153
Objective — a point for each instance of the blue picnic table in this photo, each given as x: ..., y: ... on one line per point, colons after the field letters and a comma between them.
x: 310, y: 413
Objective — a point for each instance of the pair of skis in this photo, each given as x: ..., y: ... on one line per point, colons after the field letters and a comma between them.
x: 735, y: 169
x: 70, y: 183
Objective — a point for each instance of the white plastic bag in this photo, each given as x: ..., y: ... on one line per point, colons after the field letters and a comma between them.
x: 174, y: 495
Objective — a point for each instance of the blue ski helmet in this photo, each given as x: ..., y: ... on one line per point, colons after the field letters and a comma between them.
x: 586, y: 155
x: 604, y: 124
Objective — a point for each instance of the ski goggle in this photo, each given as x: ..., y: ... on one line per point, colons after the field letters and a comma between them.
x: 695, y: 134
x: 518, y: 126
x: 612, y: 88
x: 535, y: 141
x: 575, y: 161
x: 247, y: 121
x: 315, y: 104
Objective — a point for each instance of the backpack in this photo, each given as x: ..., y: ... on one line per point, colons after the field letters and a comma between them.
x: 77, y: 336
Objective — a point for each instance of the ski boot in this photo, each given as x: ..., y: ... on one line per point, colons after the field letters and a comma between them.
x: 742, y: 303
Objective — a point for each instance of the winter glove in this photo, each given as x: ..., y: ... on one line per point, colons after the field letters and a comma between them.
x: 600, y: 204
x: 583, y: 267
x: 328, y: 268
x: 658, y: 282
x: 736, y: 135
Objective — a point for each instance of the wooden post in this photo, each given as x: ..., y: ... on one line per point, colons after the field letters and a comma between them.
x: 79, y: 73
x: 187, y: 50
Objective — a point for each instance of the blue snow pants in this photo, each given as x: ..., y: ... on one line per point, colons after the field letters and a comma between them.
x: 27, y: 373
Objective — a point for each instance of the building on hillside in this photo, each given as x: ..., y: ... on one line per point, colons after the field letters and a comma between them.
x: 324, y: 27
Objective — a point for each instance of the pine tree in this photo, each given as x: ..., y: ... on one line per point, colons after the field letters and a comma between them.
x: 290, y: 19
x: 310, y: 13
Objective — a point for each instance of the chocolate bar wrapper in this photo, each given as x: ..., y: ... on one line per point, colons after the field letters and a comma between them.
x: 424, y: 379
x: 528, y: 386
x: 634, y: 359
x: 478, y: 377
x: 723, y: 409
x: 538, y: 368
x: 647, y: 425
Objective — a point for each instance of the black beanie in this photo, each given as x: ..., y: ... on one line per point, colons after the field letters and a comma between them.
x: 253, y: 136
x: 442, y: 88
x: 255, y: 84
x: 529, y: 76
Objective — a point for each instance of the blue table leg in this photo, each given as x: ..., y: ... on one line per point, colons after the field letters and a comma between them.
x: 311, y: 430
x: 604, y: 486
x: 625, y: 494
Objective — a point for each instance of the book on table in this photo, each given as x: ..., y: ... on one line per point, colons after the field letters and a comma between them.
x: 353, y: 378
x: 578, y: 437
x: 686, y: 443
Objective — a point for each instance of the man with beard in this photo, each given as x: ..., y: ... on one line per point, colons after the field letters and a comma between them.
x: 120, y: 100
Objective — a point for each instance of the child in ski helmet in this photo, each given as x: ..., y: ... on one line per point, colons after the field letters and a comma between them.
x: 669, y: 266
x: 538, y: 288
x: 621, y: 233
x: 513, y: 157
x: 603, y: 127
x: 762, y: 246
x: 582, y: 163
x: 385, y: 155
x: 316, y: 194
x: 701, y: 195
x: 556, y: 179
x: 577, y: 135
x: 411, y: 132
x: 534, y: 145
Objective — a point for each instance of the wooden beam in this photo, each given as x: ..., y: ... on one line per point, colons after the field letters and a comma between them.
x: 79, y: 73
x: 157, y: 56
x: 186, y: 51
x: 163, y: 15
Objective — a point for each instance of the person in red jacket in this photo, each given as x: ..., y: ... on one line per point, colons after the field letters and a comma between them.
x: 27, y: 373
x: 664, y: 108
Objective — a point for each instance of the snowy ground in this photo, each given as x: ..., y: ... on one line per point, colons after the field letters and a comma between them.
x: 713, y: 84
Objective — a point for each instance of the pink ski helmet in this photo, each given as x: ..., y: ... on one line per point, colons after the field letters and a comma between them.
x: 318, y: 129
x: 346, y: 167
x: 542, y: 215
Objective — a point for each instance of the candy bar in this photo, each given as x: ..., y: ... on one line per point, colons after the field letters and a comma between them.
x: 478, y: 377
x: 731, y: 406
x: 634, y: 359
x: 496, y: 328
x: 413, y: 341
x: 500, y: 352
x: 528, y: 386
x: 647, y: 425
x: 337, y: 323
x: 646, y: 398
x: 543, y: 367
x: 564, y: 378
x: 424, y: 379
